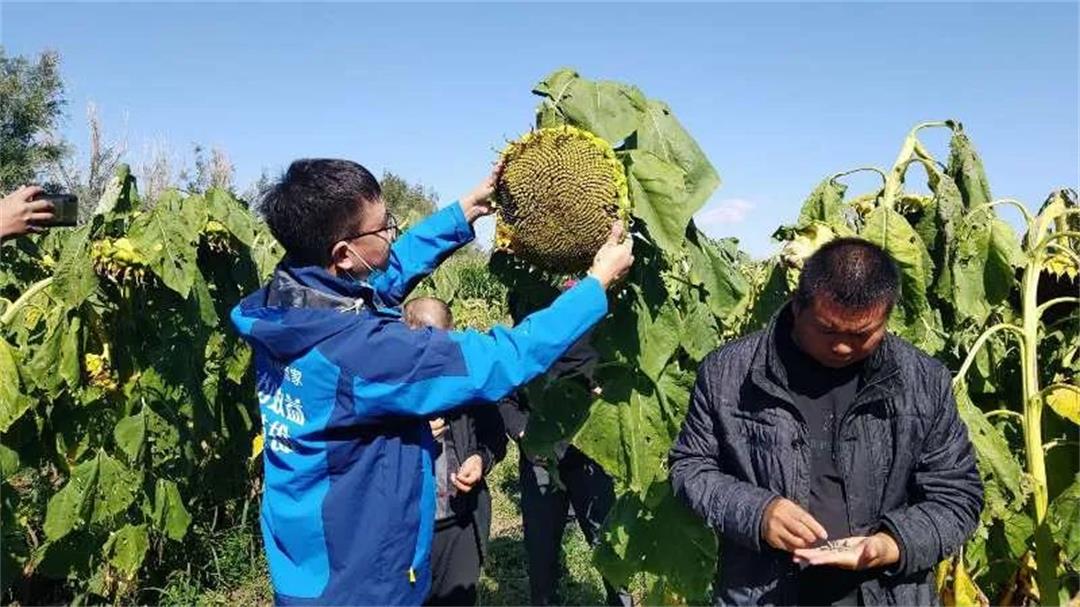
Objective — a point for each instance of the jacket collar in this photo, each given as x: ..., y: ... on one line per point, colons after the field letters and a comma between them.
x: 298, y: 286
x: 880, y: 371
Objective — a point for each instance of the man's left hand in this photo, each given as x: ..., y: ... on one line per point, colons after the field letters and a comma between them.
x: 470, y: 473
x: 855, y: 553
x: 478, y: 203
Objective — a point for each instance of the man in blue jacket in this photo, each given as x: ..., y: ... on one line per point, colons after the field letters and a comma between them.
x: 345, y: 387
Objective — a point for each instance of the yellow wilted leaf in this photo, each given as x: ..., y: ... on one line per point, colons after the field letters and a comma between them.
x: 965, y: 592
x: 256, y: 446
x: 962, y: 591
x: 1062, y: 266
x: 1064, y: 399
x: 941, y: 576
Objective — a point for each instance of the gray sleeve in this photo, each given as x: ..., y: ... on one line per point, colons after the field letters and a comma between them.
x: 944, y: 511
x: 732, y: 507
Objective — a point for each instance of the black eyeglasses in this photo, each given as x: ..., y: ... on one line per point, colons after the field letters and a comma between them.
x: 391, y: 227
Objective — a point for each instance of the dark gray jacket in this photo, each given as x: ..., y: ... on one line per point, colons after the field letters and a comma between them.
x: 907, y: 464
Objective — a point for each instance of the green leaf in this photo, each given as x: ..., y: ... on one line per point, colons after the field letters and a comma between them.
x: 170, y: 516
x: 825, y: 203
x: 119, y: 194
x: 995, y: 458
x: 127, y: 549
x: 625, y: 432
x: 74, y: 279
x: 265, y: 252
x: 1063, y: 514
x: 9, y: 462
x: 1064, y: 399
x: 13, y: 403
x: 58, y: 358
x: 770, y: 296
x: 938, y: 231
x: 130, y: 435
x: 802, y: 241
x: 662, y: 135
x: 71, y: 353
x: 966, y: 169
x: 203, y: 300
x: 69, y: 557
x: 674, y: 390
x: 192, y: 208
x: 238, y: 361
x: 699, y: 334
x: 986, y: 253
x: 558, y: 410
x: 610, y: 110
x: 727, y: 288
x: 658, y: 535
x: 97, y: 490
x: 1018, y: 529
x: 167, y: 239
x: 659, y: 338
x: 915, y: 320
x: 656, y: 193
x: 227, y: 210
x: 889, y: 230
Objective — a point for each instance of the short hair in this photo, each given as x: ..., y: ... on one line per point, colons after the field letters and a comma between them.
x: 428, y: 312
x: 852, y: 272
x: 315, y: 204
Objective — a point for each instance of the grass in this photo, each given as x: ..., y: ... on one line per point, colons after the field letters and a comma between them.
x: 236, y: 573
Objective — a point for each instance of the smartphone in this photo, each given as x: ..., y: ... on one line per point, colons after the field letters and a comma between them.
x: 65, y: 209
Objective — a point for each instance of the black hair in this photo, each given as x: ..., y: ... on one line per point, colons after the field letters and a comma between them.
x: 854, y: 273
x: 315, y: 204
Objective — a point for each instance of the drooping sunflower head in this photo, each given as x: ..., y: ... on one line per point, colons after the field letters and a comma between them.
x: 559, y: 192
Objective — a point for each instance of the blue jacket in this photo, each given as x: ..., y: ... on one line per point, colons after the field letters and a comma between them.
x: 344, y: 388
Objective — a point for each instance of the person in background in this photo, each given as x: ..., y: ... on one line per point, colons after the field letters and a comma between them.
x: 826, y: 453
x: 582, y: 485
x: 469, y: 442
x: 21, y: 214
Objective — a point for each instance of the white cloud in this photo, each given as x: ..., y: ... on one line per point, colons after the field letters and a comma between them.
x: 728, y: 211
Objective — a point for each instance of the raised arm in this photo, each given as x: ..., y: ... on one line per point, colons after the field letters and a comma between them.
x: 420, y: 250
x: 429, y: 371
x: 398, y: 371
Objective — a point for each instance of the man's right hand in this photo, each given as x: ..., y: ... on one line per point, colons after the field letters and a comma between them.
x: 614, y: 258
x: 788, y: 527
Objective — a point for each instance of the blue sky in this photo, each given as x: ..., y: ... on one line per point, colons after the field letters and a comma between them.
x: 778, y: 95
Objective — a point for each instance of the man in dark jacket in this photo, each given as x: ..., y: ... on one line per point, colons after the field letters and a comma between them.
x: 469, y: 442
x: 827, y: 454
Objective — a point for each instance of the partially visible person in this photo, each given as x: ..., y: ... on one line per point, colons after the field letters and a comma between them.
x: 826, y: 453
x: 21, y: 214
x: 546, y: 502
x: 469, y: 442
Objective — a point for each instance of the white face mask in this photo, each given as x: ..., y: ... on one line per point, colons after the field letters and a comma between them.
x: 371, y: 271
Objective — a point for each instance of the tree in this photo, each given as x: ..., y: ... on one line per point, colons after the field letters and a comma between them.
x: 102, y: 161
x: 213, y: 172
x: 255, y: 191
x: 31, y: 106
x: 408, y: 202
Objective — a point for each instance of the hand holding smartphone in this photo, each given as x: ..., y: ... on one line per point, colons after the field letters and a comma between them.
x: 30, y: 210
